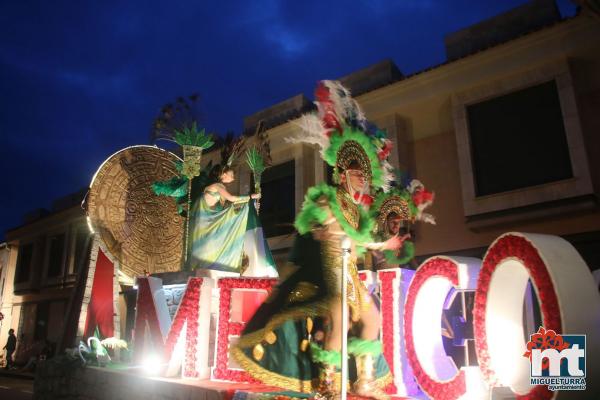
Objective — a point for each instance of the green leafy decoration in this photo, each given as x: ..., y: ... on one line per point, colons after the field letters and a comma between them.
x: 255, y: 161
x: 174, y: 187
x: 177, y: 187
x: 256, y: 164
x: 191, y: 136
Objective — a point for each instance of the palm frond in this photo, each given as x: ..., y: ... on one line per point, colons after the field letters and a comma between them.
x: 191, y: 136
x: 255, y: 161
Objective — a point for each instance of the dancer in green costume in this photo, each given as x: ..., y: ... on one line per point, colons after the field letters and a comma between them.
x: 294, y: 339
x: 222, y: 227
x: 219, y: 221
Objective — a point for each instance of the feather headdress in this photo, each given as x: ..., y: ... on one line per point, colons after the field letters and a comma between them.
x: 343, y: 134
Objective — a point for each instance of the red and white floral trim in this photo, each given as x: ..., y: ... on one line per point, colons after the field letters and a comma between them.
x: 227, y: 328
x: 388, y: 320
x: 187, y: 314
x: 505, y: 247
x: 440, y: 390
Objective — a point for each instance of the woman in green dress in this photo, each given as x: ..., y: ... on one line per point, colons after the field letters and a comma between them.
x: 218, y: 223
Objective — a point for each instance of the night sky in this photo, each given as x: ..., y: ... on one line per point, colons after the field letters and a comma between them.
x: 81, y: 80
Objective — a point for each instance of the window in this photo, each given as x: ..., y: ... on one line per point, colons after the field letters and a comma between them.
x: 24, y: 263
x: 520, y: 144
x: 506, y: 133
x: 55, y: 255
x: 278, y: 203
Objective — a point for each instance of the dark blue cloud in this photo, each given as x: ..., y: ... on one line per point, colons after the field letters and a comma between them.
x: 81, y: 80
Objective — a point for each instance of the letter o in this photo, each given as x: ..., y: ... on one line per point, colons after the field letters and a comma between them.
x: 568, y: 301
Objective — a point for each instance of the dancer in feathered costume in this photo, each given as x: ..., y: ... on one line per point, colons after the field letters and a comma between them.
x: 294, y: 339
x: 395, y: 212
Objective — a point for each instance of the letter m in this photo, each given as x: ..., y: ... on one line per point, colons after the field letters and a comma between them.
x: 183, y: 343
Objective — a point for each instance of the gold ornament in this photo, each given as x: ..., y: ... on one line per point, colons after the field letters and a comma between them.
x: 352, y: 151
x: 141, y: 230
x: 304, y: 345
x: 191, y: 161
x: 393, y: 204
x: 258, y: 352
x: 270, y: 337
x: 349, y: 209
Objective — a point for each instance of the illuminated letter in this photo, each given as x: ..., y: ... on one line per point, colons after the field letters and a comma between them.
x: 433, y: 369
x: 568, y: 299
x: 227, y: 328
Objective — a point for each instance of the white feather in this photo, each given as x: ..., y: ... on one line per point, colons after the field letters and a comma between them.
x: 414, y: 185
x: 388, y: 175
x: 346, y: 108
x: 430, y: 219
x: 313, y: 132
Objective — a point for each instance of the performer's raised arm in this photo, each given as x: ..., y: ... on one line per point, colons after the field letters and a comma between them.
x: 395, y: 212
x: 235, y: 199
x: 217, y: 190
x: 393, y: 243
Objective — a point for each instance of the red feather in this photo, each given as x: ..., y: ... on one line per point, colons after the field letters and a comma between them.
x: 326, y: 108
x: 385, y: 151
x: 322, y: 93
x: 422, y: 196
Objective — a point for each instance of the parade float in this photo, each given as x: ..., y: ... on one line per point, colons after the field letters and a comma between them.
x: 184, y: 323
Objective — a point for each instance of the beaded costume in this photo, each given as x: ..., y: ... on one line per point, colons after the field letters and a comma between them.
x: 282, y: 344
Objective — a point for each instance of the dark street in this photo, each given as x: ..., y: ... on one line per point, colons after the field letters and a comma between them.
x: 15, y: 388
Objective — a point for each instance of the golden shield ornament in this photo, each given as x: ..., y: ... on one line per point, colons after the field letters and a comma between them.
x: 141, y: 230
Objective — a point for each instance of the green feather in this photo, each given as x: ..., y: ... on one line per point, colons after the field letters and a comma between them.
x: 327, y: 357
x: 404, y: 194
x: 359, y: 347
x: 312, y: 215
x: 174, y: 187
x: 408, y: 253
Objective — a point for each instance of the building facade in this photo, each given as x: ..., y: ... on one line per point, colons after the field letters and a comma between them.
x: 44, y: 258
